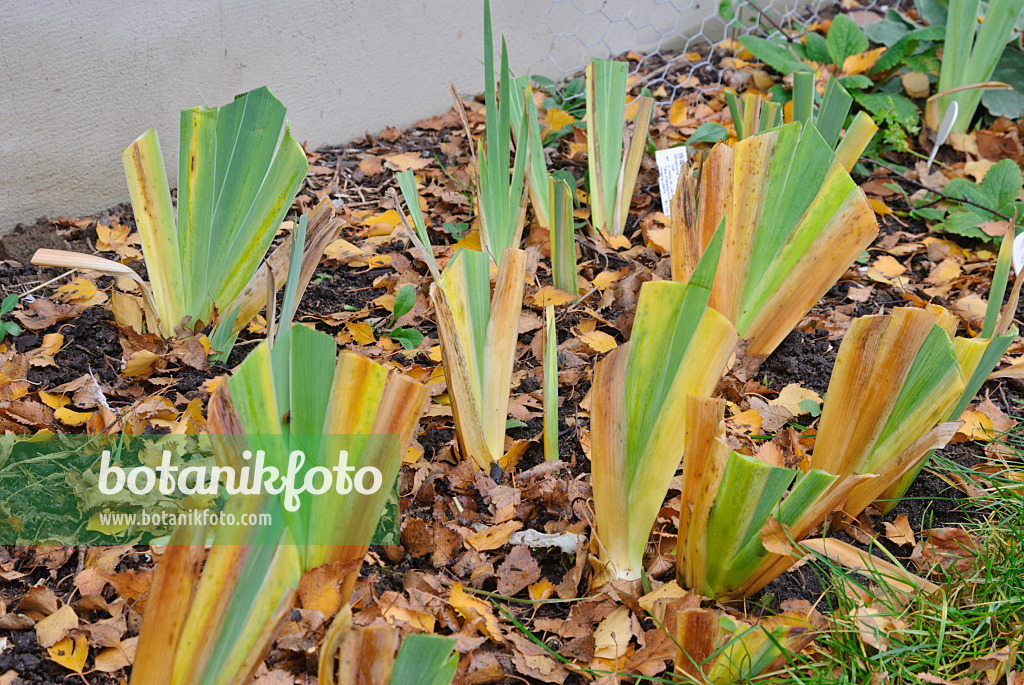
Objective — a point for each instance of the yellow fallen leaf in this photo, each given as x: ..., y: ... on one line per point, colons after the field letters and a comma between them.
x: 140, y: 362
x: 412, y: 455
x: 81, y: 292
x: 613, y: 634
x: 558, y: 119
x: 792, y: 395
x: 950, y: 248
x: 44, y: 354
x: 747, y: 422
x: 361, y: 332
x: 606, y: 278
x: 879, y: 207
x: 475, y: 611
x: 660, y: 238
x: 599, y: 341
x: 978, y: 168
x: 947, y: 270
x: 70, y: 417
x: 55, y: 627
x: 52, y: 400
x: 493, y: 537
x: 884, y: 268
x: 670, y: 590
x: 342, y: 251
x: 418, y: 620
x: 470, y: 241
x: 514, y: 454
x: 127, y: 311
x: 390, y: 217
x: 678, y: 113
x: 210, y: 386
x: 550, y: 295
x: 977, y: 426
x: 542, y: 589
x: 436, y: 375
x: 71, y: 654
x: 434, y: 353
x: 861, y: 62
x: 619, y: 242
x: 374, y: 261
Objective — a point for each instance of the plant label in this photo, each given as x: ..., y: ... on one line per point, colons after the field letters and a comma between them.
x: 1018, y: 253
x: 670, y: 162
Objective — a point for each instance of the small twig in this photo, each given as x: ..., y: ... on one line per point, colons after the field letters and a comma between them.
x: 52, y: 280
x: 918, y: 184
x: 607, y: 256
x: 770, y: 20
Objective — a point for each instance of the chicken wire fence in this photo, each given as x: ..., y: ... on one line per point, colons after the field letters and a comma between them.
x: 668, y: 33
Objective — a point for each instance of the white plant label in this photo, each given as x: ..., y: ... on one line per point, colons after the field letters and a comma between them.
x: 1018, y: 253
x: 670, y: 163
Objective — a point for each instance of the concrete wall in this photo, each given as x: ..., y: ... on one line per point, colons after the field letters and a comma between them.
x: 80, y: 80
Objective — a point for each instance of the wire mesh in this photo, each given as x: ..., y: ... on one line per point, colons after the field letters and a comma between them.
x: 675, y: 39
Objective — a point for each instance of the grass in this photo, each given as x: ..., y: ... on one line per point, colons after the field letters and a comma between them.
x: 952, y: 635
x: 977, y: 623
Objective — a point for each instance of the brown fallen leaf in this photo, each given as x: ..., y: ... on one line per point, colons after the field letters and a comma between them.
x: 945, y: 547
x: 404, y: 161
x: 900, y: 531
x: 517, y: 571
x: 43, y: 313
x: 115, y: 658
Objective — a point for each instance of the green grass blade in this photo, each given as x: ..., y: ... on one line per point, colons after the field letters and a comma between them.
x: 835, y: 192
x: 466, y: 282
x: 665, y: 320
x: 1000, y: 18
x: 961, y: 24
x: 223, y: 337
x: 310, y: 354
x: 769, y: 116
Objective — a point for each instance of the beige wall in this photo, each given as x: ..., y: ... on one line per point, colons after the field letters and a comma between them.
x: 79, y: 80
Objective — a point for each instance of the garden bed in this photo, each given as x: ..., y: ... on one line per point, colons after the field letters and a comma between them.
x: 456, y: 522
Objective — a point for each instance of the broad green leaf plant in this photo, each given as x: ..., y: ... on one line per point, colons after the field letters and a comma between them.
x: 237, y: 177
